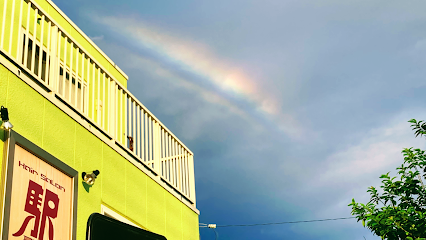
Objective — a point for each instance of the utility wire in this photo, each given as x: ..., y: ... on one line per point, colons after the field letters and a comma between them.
x: 258, y: 224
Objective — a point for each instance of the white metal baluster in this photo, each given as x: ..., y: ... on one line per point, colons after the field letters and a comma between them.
x: 134, y: 124
x: 93, y: 91
x: 172, y: 167
x: 183, y: 172
x: 182, y: 187
x: 166, y: 145
x: 107, y: 98
x: 154, y: 165
x: 163, y: 149
x: 56, y: 48
x: 126, y: 112
x: 83, y: 59
x: 40, y: 55
x: 103, y: 101
x: 159, y: 146
x: 175, y: 164
x: 2, y: 25
x: 150, y: 138
x: 188, y: 183
x: 191, y: 178
x: 18, y: 49
x: 117, y: 96
x: 48, y: 52
x: 88, y: 83
x: 182, y: 164
x: 71, y: 63
x: 146, y: 137
x: 178, y: 161
x: 27, y: 32
x: 110, y: 116
x: 179, y: 172
x: 87, y: 99
x: 34, y: 40
x: 11, y: 28
x: 171, y: 154
x: 77, y: 53
x: 98, y: 99
x: 156, y: 146
x: 138, y: 131
x: 142, y: 122
x: 171, y: 161
x: 121, y: 116
x: 114, y: 110
x: 153, y: 142
x: 186, y: 173
x: 166, y: 140
x: 65, y: 65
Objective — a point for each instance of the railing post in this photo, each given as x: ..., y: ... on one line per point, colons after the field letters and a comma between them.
x: 3, y: 24
x: 191, y: 179
x: 113, y: 109
x: 12, y: 21
x: 154, y: 144
x: 157, y: 148
x: 34, y: 41
x: 27, y: 31
x: 54, y: 60
x: 40, y: 54
x: 18, y: 49
x: 47, y: 76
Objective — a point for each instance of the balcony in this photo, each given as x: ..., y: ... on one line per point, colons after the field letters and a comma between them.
x: 66, y: 64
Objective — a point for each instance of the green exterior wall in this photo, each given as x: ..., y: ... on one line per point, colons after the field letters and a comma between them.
x: 120, y: 186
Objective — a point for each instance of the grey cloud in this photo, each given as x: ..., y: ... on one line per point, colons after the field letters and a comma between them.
x: 343, y: 68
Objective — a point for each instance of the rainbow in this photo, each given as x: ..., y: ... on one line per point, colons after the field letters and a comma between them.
x: 199, y: 59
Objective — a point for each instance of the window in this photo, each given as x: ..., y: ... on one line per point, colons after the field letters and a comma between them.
x: 43, y: 69
x: 72, y: 89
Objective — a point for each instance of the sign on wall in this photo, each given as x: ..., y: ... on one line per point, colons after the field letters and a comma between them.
x: 40, y: 196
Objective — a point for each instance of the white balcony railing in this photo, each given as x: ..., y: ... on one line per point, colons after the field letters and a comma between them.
x: 48, y: 53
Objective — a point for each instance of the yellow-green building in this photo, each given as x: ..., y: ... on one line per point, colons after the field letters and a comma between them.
x: 71, y: 111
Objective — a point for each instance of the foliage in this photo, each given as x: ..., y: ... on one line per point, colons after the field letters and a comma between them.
x: 402, y: 213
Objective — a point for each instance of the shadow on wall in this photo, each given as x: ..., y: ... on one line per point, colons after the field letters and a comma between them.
x: 86, y: 186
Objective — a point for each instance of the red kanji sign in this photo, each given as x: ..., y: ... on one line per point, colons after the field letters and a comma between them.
x: 32, y: 206
x: 41, y: 200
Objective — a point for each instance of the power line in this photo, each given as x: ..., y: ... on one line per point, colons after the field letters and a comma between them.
x: 259, y: 224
